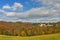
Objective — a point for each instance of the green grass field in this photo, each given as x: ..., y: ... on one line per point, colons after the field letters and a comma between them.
x: 41, y: 37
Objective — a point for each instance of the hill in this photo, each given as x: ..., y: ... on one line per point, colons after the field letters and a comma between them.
x: 28, y: 29
x: 41, y: 37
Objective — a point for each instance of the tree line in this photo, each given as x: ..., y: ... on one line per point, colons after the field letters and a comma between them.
x: 27, y: 29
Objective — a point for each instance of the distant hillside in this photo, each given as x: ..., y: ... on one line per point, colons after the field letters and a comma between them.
x: 28, y: 29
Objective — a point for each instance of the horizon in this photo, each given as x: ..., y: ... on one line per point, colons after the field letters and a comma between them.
x: 30, y: 22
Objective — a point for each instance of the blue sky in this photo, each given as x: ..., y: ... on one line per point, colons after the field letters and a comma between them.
x: 30, y: 10
x: 28, y: 4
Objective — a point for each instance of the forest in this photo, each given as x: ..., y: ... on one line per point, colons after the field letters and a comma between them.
x: 28, y: 29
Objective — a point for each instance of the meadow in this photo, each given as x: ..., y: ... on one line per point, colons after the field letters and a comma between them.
x: 41, y: 37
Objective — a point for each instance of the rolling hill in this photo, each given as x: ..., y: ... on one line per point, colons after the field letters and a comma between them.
x: 41, y: 37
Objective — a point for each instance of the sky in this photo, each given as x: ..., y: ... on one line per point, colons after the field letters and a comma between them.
x: 30, y: 10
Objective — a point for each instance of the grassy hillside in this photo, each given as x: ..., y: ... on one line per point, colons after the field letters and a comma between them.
x: 42, y: 37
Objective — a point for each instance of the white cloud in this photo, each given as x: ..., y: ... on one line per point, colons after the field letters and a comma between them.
x: 49, y: 12
x: 6, y: 7
x: 10, y: 13
x: 17, y: 6
x: 2, y: 11
x: 39, y: 13
x: 1, y: 19
x: 35, y: 15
